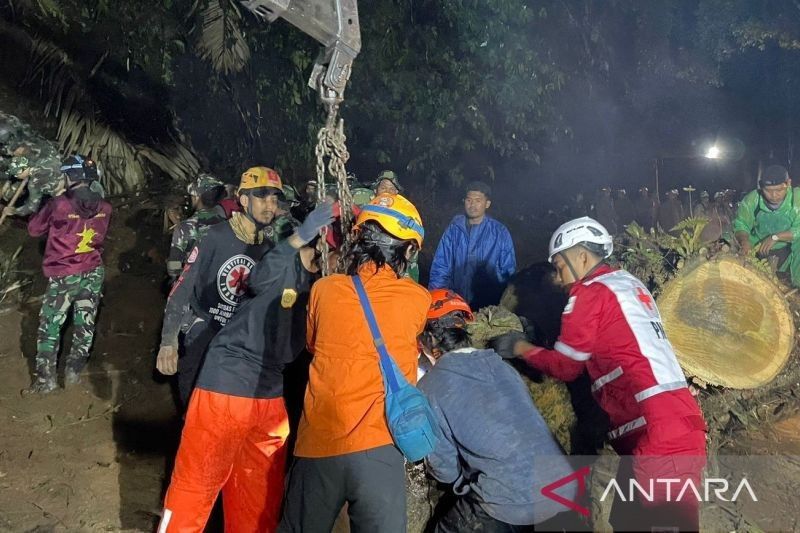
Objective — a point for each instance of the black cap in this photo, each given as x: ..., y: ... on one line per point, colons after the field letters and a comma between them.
x: 773, y: 175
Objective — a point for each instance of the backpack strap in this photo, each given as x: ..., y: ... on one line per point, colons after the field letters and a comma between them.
x: 377, y: 339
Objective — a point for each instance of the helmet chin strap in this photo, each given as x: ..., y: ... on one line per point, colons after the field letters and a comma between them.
x: 569, y: 266
x: 575, y: 274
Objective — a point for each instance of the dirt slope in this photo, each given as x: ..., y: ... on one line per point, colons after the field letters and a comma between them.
x: 92, y: 457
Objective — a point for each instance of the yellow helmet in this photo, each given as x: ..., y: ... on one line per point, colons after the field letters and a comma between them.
x: 396, y: 215
x: 260, y: 177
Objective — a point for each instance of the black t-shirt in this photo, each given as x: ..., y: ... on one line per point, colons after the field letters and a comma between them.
x: 247, y: 357
x: 224, y: 265
x: 215, y: 280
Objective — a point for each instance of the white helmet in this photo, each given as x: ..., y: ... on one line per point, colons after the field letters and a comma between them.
x: 578, y: 231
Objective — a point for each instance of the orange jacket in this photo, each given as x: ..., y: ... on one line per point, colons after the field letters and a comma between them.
x: 343, y: 410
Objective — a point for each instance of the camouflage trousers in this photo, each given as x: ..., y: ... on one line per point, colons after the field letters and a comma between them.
x: 81, y: 293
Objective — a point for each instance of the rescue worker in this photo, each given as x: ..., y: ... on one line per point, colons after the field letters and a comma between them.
x: 624, y: 208
x: 230, y: 204
x: 645, y: 208
x: 284, y: 224
x: 703, y: 207
x: 387, y: 182
x: 206, y: 192
x: 718, y: 226
x: 496, y: 454
x: 344, y: 451
x: 12, y: 133
x: 768, y: 221
x: 604, y: 209
x: 577, y: 206
x: 611, y: 328
x: 670, y: 213
x: 215, y: 279
x: 475, y: 257
x: 722, y: 215
x: 361, y: 195
x: 234, y: 437
x: 40, y: 164
x: 307, y: 198
x: 76, y: 224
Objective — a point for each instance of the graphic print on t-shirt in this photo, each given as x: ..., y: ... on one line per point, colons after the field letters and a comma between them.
x: 232, y: 278
x: 85, y: 244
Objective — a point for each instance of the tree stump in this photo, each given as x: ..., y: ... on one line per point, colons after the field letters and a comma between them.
x: 730, y: 324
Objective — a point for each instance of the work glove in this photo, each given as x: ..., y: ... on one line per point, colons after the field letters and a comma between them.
x: 315, y: 221
x: 504, y: 344
x: 167, y: 360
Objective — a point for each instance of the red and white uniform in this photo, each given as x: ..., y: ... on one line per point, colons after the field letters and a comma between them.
x: 612, y: 328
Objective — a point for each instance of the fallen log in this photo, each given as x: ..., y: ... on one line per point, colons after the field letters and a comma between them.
x: 729, y: 323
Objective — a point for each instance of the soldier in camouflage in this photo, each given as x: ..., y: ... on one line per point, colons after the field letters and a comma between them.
x: 361, y: 195
x: 206, y: 192
x: 76, y: 224
x: 12, y: 132
x: 38, y: 161
x: 388, y: 182
x: 285, y: 223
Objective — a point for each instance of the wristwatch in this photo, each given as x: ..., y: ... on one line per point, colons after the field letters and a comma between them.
x: 775, y: 237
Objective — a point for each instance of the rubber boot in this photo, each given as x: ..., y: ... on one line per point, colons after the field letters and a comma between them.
x: 44, y: 385
x: 72, y: 376
x: 44, y: 380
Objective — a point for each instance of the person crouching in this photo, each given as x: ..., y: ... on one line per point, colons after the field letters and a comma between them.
x: 496, y: 450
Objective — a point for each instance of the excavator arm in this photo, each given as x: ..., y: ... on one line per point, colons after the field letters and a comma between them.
x: 334, y: 24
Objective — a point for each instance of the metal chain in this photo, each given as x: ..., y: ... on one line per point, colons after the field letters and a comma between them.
x: 331, y: 144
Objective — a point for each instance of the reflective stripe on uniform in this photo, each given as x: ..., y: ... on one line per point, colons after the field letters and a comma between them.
x: 604, y: 380
x: 571, y: 352
x: 636, y: 423
x: 165, y: 518
x: 658, y: 389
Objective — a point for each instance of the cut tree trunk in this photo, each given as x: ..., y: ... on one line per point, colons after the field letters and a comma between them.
x: 730, y: 325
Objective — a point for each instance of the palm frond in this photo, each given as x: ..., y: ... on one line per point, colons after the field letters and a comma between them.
x: 82, y: 130
x: 221, y: 39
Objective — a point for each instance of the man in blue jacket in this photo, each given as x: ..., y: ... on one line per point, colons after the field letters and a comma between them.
x: 475, y: 257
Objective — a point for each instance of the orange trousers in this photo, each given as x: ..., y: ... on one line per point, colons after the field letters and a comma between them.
x: 236, y: 445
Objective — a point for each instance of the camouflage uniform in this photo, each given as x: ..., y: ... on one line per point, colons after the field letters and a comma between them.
x: 281, y: 228
x: 187, y: 234
x: 12, y: 132
x: 44, y: 177
x: 361, y: 195
x: 413, y: 267
x: 82, y: 293
x: 284, y: 224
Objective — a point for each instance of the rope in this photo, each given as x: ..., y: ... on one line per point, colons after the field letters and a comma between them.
x: 331, y: 146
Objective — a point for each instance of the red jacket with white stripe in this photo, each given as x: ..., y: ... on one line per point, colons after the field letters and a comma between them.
x: 612, y: 328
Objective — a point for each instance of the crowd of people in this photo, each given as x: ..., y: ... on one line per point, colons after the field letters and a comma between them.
x: 248, y: 300
x: 616, y: 210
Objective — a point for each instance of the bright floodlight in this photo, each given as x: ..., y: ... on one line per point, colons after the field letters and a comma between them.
x: 713, y: 152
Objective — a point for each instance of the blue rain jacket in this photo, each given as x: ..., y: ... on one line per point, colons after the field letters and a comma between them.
x: 476, y: 264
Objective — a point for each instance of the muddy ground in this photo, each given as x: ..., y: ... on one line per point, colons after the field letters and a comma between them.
x: 93, y: 457
x: 96, y: 457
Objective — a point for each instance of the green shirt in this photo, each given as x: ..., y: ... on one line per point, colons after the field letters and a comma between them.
x: 756, y: 219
